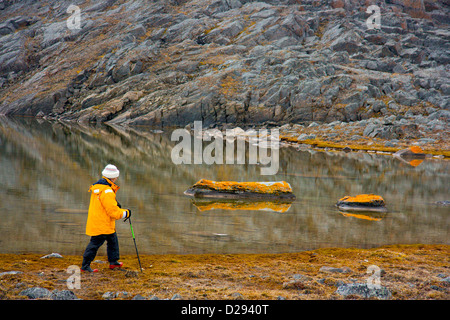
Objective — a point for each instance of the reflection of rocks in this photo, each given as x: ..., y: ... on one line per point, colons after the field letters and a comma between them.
x: 413, y: 156
x: 210, y: 235
x: 365, y: 214
x: 276, y: 206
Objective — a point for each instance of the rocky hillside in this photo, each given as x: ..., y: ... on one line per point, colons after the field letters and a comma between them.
x: 225, y: 61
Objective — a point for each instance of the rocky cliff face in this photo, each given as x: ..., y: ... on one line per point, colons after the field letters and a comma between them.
x: 224, y: 61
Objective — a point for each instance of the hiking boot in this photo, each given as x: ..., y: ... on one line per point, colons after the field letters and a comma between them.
x: 88, y: 269
x: 115, y: 264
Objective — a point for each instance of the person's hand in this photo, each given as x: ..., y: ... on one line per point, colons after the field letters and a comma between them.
x: 128, y: 214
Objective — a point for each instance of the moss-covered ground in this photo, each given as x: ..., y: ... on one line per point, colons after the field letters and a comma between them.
x: 408, y: 271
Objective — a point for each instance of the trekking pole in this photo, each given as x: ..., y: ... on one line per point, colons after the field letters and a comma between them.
x: 134, y: 239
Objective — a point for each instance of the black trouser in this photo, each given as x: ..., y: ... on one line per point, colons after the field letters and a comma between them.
x: 112, y: 248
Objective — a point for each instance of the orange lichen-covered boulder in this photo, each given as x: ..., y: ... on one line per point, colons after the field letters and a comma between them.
x: 362, y: 202
x: 240, y: 190
x: 411, y: 152
x: 413, y: 155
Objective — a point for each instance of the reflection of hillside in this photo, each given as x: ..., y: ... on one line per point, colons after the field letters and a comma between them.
x: 46, y: 169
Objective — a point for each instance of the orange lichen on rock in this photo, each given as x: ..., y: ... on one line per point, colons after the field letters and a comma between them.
x: 370, y: 200
x: 416, y: 149
x: 232, y: 186
x: 414, y: 152
x: 241, y: 190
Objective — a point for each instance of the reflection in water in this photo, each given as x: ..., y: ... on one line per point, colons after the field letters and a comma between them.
x: 370, y: 216
x: 275, y: 206
x: 411, y: 161
x: 46, y: 169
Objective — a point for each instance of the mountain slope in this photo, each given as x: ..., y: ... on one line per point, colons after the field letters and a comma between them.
x: 234, y: 62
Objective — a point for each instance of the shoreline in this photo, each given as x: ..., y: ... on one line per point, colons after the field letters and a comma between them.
x: 321, y: 145
x: 418, y: 272
x: 354, y: 137
x: 334, y: 136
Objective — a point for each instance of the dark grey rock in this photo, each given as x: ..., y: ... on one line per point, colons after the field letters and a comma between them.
x: 356, y: 97
x: 364, y: 290
x: 176, y: 296
x: 237, y: 296
x: 138, y: 30
x: 398, y: 68
x: 445, y: 88
x: 340, y: 57
x: 298, y: 276
x: 370, y: 129
x: 390, y: 49
x: 378, y: 105
x: 63, y: 295
x: 437, y: 288
x: 109, y: 295
x: 6, y: 28
x: 310, y: 87
x: 305, y: 136
x: 36, y: 293
x: 415, y: 55
x: 337, y: 270
x: 346, y: 45
x: 351, y: 111
x: 441, y: 114
x: 121, y: 72
x: 405, y: 98
x: 389, y: 132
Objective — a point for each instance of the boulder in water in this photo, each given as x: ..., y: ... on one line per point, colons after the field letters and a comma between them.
x: 362, y: 202
x: 411, y: 152
x: 241, y: 190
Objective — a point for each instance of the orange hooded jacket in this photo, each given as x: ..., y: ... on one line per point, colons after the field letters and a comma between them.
x: 103, y: 208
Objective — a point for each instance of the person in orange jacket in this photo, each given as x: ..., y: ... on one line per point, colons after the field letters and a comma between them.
x: 104, y: 210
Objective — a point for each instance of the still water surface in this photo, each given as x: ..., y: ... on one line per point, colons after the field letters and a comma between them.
x: 46, y: 169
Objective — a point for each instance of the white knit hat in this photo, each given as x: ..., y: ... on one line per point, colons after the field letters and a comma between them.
x: 110, y: 171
